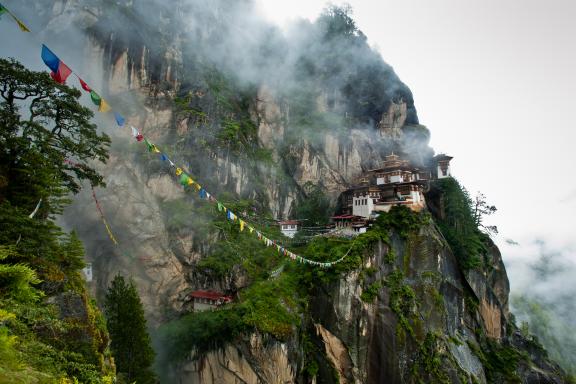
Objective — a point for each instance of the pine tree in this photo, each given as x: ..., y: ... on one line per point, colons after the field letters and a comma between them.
x: 131, y: 344
x: 48, y: 145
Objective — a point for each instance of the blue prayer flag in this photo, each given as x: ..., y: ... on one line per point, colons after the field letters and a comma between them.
x: 50, y: 59
x: 119, y: 119
x: 163, y: 157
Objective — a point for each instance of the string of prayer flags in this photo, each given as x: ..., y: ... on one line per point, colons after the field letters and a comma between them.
x: 103, y: 218
x: 60, y: 71
x: 119, y: 119
x: 21, y: 25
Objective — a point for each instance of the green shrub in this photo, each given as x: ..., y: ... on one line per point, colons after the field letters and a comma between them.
x: 459, y: 227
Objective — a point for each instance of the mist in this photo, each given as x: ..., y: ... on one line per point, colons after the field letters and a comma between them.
x: 542, y: 295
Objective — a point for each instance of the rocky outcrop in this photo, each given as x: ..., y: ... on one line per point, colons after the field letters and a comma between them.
x: 254, y: 361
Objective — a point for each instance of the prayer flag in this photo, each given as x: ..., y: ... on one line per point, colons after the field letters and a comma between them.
x: 163, y: 157
x: 220, y: 206
x: 84, y: 85
x: 151, y: 147
x: 119, y: 119
x: 251, y: 229
x: 50, y: 59
x: 203, y: 194
x: 2, y: 10
x: 242, y: 225
x: 96, y: 99
x: 60, y: 71
x: 184, y: 179
x: 171, y: 163
x: 23, y: 27
x: 139, y: 137
x: 190, y: 181
x: 104, y: 106
x: 135, y: 132
x: 178, y: 171
x: 62, y: 74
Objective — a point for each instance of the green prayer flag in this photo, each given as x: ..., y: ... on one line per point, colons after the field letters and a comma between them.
x: 2, y: 10
x: 149, y: 145
x: 184, y: 179
x: 220, y: 207
x: 96, y: 99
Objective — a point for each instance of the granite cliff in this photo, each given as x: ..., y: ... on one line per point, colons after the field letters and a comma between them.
x: 265, y: 120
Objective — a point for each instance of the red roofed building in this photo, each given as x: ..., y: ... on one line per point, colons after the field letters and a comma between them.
x: 203, y: 300
x: 352, y: 223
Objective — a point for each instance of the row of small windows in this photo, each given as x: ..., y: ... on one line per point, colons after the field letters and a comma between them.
x: 361, y: 202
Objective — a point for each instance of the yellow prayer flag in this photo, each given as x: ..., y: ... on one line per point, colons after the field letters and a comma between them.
x: 104, y: 106
x: 197, y: 186
x: 251, y: 229
x: 178, y: 171
x: 23, y: 28
x: 190, y: 181
x: 155, y: 149
x: 241, y: 225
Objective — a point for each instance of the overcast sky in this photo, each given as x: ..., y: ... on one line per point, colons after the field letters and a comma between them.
x: 495, y: 82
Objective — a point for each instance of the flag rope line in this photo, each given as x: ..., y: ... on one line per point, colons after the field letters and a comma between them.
x: 60, y: 72
x: 102, y: 217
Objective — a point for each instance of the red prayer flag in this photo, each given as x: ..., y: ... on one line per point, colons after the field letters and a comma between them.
x: 62, y: 74
x: 84, y: 85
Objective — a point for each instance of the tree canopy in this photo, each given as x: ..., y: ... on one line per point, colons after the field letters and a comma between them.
x: 42, y: 126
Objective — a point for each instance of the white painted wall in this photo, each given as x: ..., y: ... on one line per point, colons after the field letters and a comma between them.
x: 363, y: 210
x: 87, y: 271
x: 448, y: 173
x: 289, y: 230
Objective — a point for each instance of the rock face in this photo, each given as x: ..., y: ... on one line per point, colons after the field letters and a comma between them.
x: 427, y: 322
x: 255, y: 361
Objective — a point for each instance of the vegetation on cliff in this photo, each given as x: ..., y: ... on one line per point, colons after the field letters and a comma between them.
x: 459, y: 225
x: 50, y: 329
